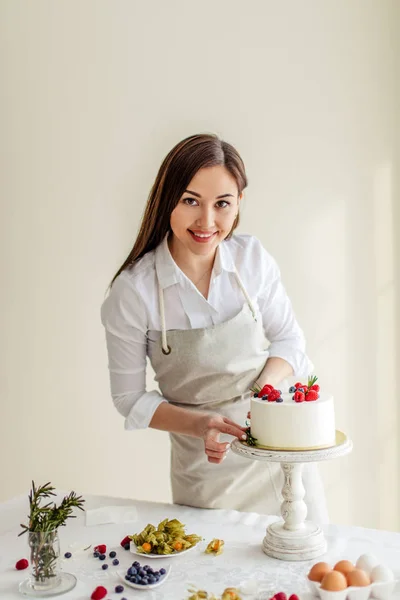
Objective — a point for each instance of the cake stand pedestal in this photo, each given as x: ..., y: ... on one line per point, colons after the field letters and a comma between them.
x: 294, y: 538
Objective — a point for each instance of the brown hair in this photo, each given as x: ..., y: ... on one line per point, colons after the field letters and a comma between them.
x: 177, y: 170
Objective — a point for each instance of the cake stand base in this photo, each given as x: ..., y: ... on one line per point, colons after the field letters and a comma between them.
x: 294, y: 538
x: 305, y: 544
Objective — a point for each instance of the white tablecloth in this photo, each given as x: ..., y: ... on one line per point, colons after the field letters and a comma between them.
x: 242, y: 559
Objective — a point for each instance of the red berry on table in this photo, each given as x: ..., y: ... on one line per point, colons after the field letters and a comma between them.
x: 299, y: 396
x: 21, y: 564
x: 298, y: 385
x: 102, y: 548
x: 315, y: 387
x: 312, y: 395
x: 293, y: 597
x: 280, y: 596
x: 99, y: 593
x: 125, y: 541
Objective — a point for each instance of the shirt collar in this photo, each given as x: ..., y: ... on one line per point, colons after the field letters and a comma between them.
x: 223, y: 259
x: 168, y: 272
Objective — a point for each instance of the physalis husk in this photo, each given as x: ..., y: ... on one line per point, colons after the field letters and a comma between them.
x: 166, y: 538
x: 215, y: 547
x: 230, y: 593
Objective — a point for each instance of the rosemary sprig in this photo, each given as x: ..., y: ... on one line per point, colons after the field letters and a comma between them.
x: 250, y: 440
x: 255, y: 388
x: 49, y: 516
x: 312, y: 379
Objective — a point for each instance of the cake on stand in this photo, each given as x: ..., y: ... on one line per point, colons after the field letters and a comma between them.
x: 294, y: 538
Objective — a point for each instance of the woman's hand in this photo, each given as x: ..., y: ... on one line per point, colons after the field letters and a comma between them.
x: 214, y: 425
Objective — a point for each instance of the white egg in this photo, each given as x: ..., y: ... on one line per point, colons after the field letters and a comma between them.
x: 367, y: 562
x: 381, y: 573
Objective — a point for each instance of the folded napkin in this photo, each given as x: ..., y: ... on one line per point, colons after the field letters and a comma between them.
x: 110, y: 514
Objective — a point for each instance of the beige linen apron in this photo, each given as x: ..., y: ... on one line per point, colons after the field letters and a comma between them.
x: 211, y: 370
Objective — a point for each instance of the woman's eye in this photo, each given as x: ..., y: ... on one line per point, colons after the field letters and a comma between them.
x: 189, y: 201
x: 223, y: 204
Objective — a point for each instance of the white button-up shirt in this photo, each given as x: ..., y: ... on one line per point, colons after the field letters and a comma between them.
x: 131, y: 311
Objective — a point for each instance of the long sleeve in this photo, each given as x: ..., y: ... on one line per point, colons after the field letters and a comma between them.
x: 280, y: 325
x: 123, y: 315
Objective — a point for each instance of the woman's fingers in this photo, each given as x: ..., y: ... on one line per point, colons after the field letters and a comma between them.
x: 233, y: 424
x: 216, y: 450
x: 212, y: 445
x: 215, y: 461
x: 219, y: 455
x: 232, y: 428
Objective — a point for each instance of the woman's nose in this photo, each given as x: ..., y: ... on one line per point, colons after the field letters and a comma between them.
x: 206, y: 218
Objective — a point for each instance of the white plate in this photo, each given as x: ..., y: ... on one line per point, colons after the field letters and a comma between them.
x: 137, y: 586
x: 133, y: 549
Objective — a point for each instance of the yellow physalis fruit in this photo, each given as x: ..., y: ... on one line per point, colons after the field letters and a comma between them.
x: 230, y: 594
x: 177, y: 546
x: 198, y: 594
x: 146, y: 547
x: 215, y: 547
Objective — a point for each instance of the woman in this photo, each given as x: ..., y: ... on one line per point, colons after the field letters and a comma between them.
x: 202, y: 303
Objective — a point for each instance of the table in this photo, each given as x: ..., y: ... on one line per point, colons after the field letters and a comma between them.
x: 243, y: 558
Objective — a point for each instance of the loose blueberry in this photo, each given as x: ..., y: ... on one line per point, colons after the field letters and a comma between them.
x: 96, y: 554
x: 102, y: 557
x: 119, y: 589
x: 255, y: 395
x: 292, y: 389
x: 104, y: 567
x: 68, y: 555
x: 112, y: 554
x: 127, y: 546
x: 115, y: 562
x: 280, y: 399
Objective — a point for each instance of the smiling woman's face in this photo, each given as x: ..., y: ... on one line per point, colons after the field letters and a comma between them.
x: 205, y: 213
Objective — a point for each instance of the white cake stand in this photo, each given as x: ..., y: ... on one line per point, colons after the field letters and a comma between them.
x: 294, y: 538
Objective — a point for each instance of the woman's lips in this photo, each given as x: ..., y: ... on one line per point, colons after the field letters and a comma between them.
x: 202, y: 237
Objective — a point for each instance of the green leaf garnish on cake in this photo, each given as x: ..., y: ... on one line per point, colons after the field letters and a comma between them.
x: 250, y: 440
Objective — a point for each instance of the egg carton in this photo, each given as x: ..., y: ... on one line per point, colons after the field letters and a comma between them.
x: 381, y: 590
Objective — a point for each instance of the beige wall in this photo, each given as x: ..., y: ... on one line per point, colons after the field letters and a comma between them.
x: 94, y: 94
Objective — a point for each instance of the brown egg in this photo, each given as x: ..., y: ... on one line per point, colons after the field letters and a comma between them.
x: 344, y: 566
x: 358, y: 577
x: 334, y: 582
x: 318, y: 571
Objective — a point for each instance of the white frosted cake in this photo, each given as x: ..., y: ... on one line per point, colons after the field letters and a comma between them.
x: 293, y: 420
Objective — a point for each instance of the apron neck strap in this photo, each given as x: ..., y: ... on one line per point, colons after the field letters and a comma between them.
x: 164, y: 343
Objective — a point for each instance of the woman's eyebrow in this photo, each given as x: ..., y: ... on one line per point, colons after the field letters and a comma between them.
x: 199, y: 195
